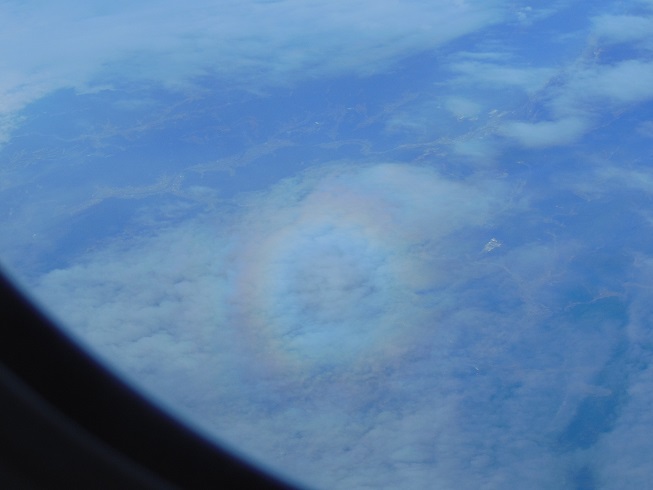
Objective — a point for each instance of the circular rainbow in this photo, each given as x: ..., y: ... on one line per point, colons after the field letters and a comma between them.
x: 341, y: 266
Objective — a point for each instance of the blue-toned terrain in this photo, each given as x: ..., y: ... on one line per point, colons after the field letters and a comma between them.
x: 365, y: 244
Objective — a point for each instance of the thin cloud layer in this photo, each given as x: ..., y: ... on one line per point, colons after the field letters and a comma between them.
x: 325, y: 281
x: 247, y: 44
x: 357, y: 325
x: 545, y: 133
x: 607, y: 69
x: 350, y: 327
x: 322, y: 270
x: 335, y: 275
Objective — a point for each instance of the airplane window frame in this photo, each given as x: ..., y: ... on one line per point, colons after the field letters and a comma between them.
x: 65, y: 420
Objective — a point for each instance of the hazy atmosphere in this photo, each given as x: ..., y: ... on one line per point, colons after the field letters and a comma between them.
x: 365, y: 244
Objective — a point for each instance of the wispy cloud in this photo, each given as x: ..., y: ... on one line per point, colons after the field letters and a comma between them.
x: 324, y: 292
x: 545, y: 105
x: 349, y: 324
x: 544, y: 133
x: 249, y: 44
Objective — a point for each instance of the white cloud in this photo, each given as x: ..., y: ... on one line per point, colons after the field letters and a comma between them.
x: 575, y: 97
x: 480, y: 151
x: 587, y: 94
x: 462, y: 108
x: 544, y: 133
x: 559, y: 104
x: 347, y: 324
x: 623, y: 28
x: 311, y: 293
x: 352, y: 256
x: 314, y: 258
x: 528, y: 79
x: 625, y: 82
x: 347, y: 328
x: 257, y: 44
